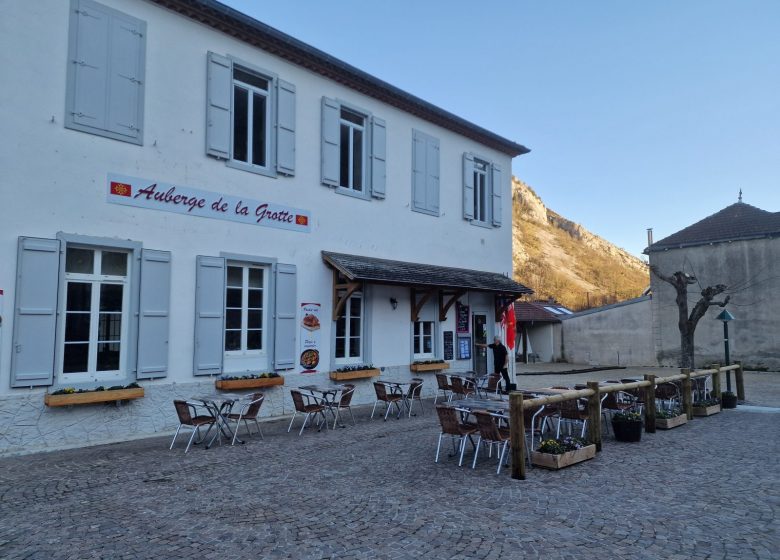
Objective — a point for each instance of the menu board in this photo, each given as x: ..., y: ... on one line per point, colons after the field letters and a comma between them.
x: 464, y: 347
x: 449, y: 345
x: 462, y: 319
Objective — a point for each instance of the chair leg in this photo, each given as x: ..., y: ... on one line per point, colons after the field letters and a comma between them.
x: 501, y: 457
x: 195, y: 431
x: 476, y: 452
x: 352, y: 415
x: 462, y: 450
x: 438, y: 448
x: 336, y: 417
x: 291, y: 421
x: 175, y: 436
x: 238, y: 425
x: 259, y: 431
x: 305, y: 421
x: 373, y: 409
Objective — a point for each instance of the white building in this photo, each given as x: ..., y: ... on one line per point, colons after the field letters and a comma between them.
x: 179, y: 180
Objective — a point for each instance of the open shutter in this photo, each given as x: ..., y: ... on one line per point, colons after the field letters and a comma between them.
x: 154, y: 314
x: 35, y: 312
x: 468, y: 186
x: 419, y: 182
x: 496, y: 183
x: 209, y: 311
x: 88, y: 64
x: 285, y: 128
x: 330, y: 142
x: 378, y: 157
x: 218, y: 106
x: 432, y: 175
x: 285, y: 320
x: 126, y: 76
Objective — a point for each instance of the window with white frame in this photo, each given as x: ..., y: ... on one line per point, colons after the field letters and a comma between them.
x: 251, y: 115
x: 422, y: 340
x: 245, y: 305
x: 96, y: 314
x: 353, y: 149
x: 482, y: 195
x: 349, y: 329
x: 482, y: 186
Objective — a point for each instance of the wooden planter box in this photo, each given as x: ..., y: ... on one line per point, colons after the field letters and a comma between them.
x: 706, y: 410
x: 429, y: 367
x: 93, y: 397
x: 234, y: 384
x: 357, y: 374
x: 555, y: 462
x: 669, y: 423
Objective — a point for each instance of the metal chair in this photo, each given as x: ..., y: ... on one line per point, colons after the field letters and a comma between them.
x: 461, y: 386
x: 308, y: 408
x: 457, y: 430
x: 491, y: 433
x: 415, y: 392
x: 668, y: 394
x: 188, y: 416
x: 344, y: 402
x: 571, y: 412
x: 249, y: 411
x: 443, y: 387
x: 389, y: 399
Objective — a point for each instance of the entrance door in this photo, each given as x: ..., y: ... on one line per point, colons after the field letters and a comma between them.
x: 479, y: 328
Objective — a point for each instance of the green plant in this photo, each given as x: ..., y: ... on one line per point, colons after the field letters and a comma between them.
x: 355, y: 368
x: 663, y: 413
x: 562, y: 445
x: 627, y: 416
x: 706, y: 402
x: 72, y: 390
x: 422, y: 362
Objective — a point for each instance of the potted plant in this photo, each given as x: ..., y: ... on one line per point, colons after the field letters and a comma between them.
x: 428, y: 365
x: 728, y: 400
x: 706, y: 407
x: 668, y: 419
x: 559, y: 453
x: 627, y: 426
x: 68, y: 396
x: 361, y: 371
x: 249, y: 381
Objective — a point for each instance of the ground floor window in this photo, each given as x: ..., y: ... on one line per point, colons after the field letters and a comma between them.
x: 422, y: 343
x: 245, y: 316
x: 349, y: 329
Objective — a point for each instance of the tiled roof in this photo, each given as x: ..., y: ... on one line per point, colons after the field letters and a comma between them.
x: 383, y: 271
x: 537, y: 312
x: 247, y: 29
x: 735, y: 222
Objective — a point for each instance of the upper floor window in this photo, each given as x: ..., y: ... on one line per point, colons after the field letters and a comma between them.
x: 106, y: 67
x: 352, y: 157
x: 482, y: 187
x: 250, y: 117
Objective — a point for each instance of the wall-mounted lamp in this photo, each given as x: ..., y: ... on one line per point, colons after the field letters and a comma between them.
x: 394, y: 302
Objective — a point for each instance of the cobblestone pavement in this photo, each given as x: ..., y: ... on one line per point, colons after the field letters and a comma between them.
x: 708, y: 489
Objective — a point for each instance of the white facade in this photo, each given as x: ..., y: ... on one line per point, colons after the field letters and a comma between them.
x: 55, y: 182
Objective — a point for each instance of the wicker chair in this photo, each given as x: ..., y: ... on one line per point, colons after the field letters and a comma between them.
x: 490, y: 433
x: 415, y: 392
x: 668, y: 394
x: 457, y: 430
x: 344, y: 403
x: 444, y: 387
x: 461, y: 387
x: 308, y: 408
x: 188, y: 416
x: 571, y: 412
x: 389, y: 399
x: 249, y: 411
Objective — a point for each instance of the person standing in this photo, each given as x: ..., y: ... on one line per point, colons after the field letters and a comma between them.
x: 500, y: 359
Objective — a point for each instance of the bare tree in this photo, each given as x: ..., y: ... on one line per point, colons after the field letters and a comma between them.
x: 687, y: 323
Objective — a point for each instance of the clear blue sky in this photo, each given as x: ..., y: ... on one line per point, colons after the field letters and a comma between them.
x: 638, y: 114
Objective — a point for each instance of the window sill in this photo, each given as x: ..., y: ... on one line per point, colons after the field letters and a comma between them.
x: 485, y: 225
x: 353, y: 193
x: 93, y: 397
x: 435, y: 213
x: 265, y: 171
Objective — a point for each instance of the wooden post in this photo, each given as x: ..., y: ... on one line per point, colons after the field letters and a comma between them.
x: 594, y: 415
x: 517, y: 434
x: 650, y: 404
x: 716, y: 381
x: 686, y: 393
x: 738, y: 374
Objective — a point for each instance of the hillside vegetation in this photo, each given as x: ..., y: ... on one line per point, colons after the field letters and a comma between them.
x: 563, y: 260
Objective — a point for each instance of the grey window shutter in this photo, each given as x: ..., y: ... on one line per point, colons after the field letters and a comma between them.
x: 218, y: 106
x: 331, y: 142
x: 285, y: 325
x: 285, y: 128
x: 154, y: 314
x: 432, y: 175
x: 35, y: 312
x: 88, y: 64
x: 126, y: 76
x: 378, y: 157
x: 496, y: 184
x: 468, y: 186
x: 209, y: 312
x: 419, y: 162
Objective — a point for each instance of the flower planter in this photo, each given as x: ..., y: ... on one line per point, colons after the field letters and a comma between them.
x: 669, y: 423
x: 356, y: 374
x: 706, y: 410
x: 728, y: 400
x: 627, y: 431
x: 429, y: 367
x: 555, y: 462
x: 255, y: 383
x: 93, y: 397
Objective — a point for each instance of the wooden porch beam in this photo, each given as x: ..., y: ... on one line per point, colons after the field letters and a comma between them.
x: 341, y: 293
x: 444, y: 307
x: 418, y: 305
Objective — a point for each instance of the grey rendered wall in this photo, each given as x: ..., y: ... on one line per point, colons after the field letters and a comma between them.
x: 752, y: 270
x: 614, y: 335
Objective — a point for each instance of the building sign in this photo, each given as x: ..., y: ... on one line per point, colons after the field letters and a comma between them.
x: 462, y: 318
x: 142, y: 193
x: 310, y: 337
x: 464, y: 347
x: 449, y: 345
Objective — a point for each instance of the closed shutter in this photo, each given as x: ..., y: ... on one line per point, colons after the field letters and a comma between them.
x: 468, y: 186
x: 126, y: 76
x: 419, y: 162
x: 209, y: 311
x: 154, y: 314
x: 378, y: 157
x: 432, y: 175
x: 89, y: 52
x: 218, y: 106
x: 285, y: 128
x: 35, y: 312
x: 496, y: 183
x: 330, y: 142
x: 286, y: 302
